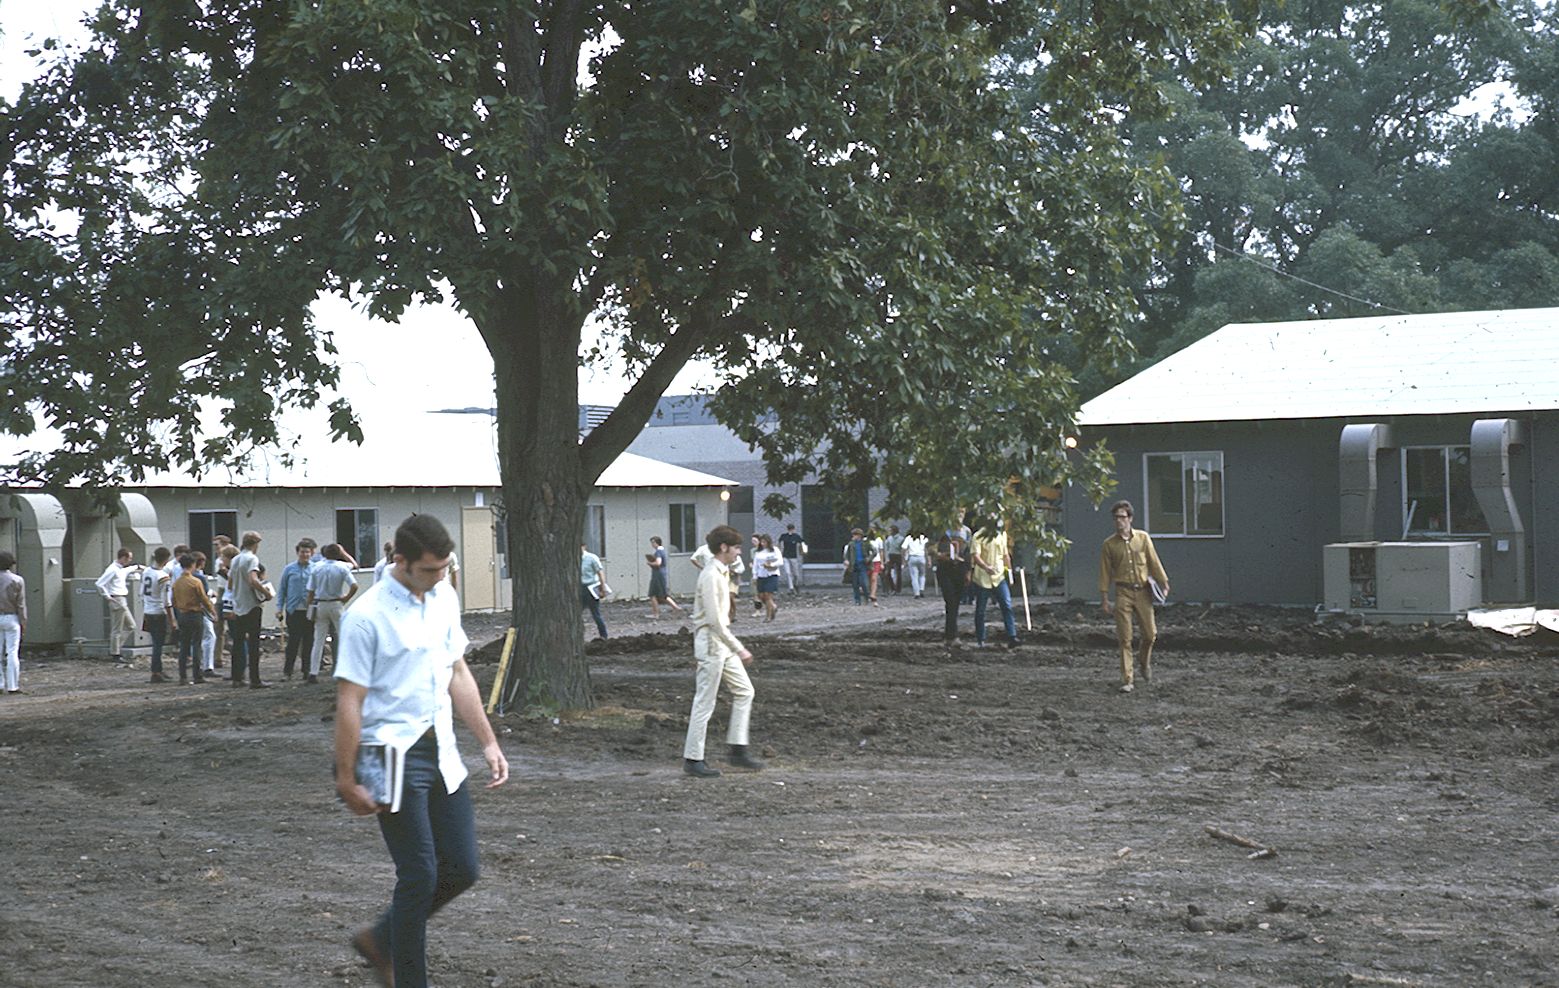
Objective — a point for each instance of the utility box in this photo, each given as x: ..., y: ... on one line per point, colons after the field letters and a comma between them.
x: 1403, y: 581
x: 89, y: 620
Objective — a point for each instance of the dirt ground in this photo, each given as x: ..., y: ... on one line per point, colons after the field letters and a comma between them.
x: 929, y: 816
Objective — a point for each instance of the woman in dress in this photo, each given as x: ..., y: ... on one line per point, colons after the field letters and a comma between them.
x: 660, y: 589
x: 766, y: 565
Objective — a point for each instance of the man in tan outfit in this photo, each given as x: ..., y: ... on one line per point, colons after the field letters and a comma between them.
x: 1129, y: 560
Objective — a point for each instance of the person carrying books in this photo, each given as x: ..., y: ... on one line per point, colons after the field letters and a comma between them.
x: 1129, y: 561
x: 401, y: 676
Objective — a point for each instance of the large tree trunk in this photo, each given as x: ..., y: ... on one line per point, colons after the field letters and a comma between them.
x: 544, y: 495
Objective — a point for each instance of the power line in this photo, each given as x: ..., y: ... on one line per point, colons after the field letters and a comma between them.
x: 1306, y: 281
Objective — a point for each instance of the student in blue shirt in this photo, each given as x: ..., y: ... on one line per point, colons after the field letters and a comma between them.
x: 292, y: 592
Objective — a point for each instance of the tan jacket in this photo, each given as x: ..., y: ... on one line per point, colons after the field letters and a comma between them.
x: 1129, y: 561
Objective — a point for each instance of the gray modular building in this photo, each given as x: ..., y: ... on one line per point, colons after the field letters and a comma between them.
x: 683, y: 432
x: 1273, y: 463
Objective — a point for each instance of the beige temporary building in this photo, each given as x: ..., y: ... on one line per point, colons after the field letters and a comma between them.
x: 356, y: 495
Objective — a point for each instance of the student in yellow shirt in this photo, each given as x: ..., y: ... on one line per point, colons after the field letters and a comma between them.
x: 991, y: 561
x: 1129, y: 561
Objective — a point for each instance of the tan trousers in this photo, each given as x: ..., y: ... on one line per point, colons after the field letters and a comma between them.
x: 1140, y: 603
x: 120, y: 625
x: 717, y: 664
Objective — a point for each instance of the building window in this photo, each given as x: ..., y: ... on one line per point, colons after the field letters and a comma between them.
x: 1184, y: 493
x: 683, y: 536
x: 825, y: 528
x: 1437, y: 497
x: 357, y: 529
x: 205, y: 526
x: 501, y: 536
x: 594, y: 536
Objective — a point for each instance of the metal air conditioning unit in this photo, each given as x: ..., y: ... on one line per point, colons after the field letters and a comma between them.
x: 1403, y: 581
x: 89, y: 620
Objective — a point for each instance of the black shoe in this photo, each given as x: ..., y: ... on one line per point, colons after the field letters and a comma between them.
x: 740, y: 758
x: 312, y: 680
x: 699, y: 769
x: 198, y: 679
x: 1015, y: 643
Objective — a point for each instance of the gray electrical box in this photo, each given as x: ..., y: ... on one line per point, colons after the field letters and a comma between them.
x: 1403, y: 581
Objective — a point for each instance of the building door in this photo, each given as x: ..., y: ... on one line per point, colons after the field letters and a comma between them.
x: 478, y: 560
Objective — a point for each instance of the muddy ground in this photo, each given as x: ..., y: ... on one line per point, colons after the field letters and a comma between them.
x: 929, y: 817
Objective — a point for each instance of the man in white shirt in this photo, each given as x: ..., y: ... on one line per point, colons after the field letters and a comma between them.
x: 331, y: 585
x: 114, y: 585
x: 721, y: 657
x: 400, y: 676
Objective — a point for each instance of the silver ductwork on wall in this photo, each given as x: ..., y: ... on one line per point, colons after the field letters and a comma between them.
x: 1358, y: 477
x: 1492, y: 440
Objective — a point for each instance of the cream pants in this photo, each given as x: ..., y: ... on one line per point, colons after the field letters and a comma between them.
x: 716, y: 662
x: 11, y: 651
x: 327, y: 621
x: 120, y: 624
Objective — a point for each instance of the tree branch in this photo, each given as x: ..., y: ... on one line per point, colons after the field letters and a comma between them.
x: 612, y: 436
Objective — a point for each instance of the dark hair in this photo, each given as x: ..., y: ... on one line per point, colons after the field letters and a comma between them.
x: 1118, y: 505
x: 187, y: 561
x: 161, y: 555
x: 200, y: 558
x: 721, y: 536
x: 334, y: 551
x: 123, y: 552
x: 180, y: 549
x: 305, y: 543
x: 421, y: 535
x: 766, y: 541
x: 656, y: 540
x: 6, y: 560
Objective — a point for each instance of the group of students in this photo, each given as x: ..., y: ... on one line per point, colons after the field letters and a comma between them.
x: 768, y: 562
x: 184, y: 606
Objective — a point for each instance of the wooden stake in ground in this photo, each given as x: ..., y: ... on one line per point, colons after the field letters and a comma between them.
x: 1028, y: 618
x: 1259, y: 850
x: 503, y: 668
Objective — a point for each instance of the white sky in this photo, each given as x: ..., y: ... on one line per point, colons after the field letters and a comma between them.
x: 376, y: 366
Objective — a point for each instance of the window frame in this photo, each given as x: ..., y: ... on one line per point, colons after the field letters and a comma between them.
x: 1146, y: 512
x: 375, y: 546
x: 595, y: 525
x: 1450, y: 533
x: 189, y: 533
x: 688, y: 523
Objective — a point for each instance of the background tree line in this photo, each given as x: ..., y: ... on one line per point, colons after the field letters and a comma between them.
x: 1399, y: 153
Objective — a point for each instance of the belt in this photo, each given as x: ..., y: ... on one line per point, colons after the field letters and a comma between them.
x: 328, y: 600
x: 1129, y: 586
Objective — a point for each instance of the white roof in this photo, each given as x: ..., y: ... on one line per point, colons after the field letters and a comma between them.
x: 410, y: 449
x: 1442, y: 363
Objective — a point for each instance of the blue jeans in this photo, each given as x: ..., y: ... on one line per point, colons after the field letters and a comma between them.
x: 858, y: 582
x: 433, y: 842
x: 157, y: 627
x: 590, y: 600
x: 1003, y: 594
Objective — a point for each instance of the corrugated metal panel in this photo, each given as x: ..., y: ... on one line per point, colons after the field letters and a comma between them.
x: 1439, y: 364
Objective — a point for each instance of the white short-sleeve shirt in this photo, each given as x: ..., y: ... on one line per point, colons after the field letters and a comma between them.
x: 403, y: 651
